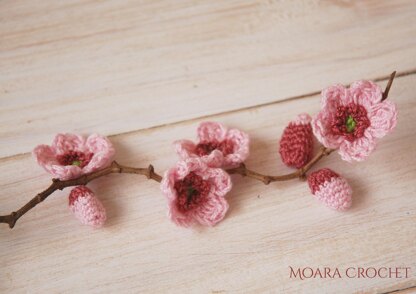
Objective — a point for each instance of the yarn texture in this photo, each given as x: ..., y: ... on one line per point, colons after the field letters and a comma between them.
x: 217, y: 145
x: 351, y: 119
x: 86, y: 207
x: 71, y: 156
x: 196, y: 193
x: 331, y: 189
x: 296, y: 143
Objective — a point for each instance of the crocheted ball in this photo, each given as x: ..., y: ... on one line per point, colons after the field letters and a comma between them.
x: 296, y: 144
x: 86, y: 207
x: 330, y: 188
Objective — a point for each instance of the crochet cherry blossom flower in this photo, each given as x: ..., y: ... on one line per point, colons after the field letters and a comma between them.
x: 330, y: 188
x: 71, y: 156
x: 353, y: 118
x: 217, y: 146
x: 86, y: 207
x: 195, y: 193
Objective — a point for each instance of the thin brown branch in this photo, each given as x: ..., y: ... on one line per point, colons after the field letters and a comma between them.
x: 12, y: 218
x: 266, y: 179
x: 389, y: 83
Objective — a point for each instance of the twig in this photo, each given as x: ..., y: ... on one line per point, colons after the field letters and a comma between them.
x: 387, y: 90
x: 83, y: 180
x: 300, y: 173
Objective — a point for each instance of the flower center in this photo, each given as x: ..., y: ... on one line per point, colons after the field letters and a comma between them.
x: 191, y: 191
x: 205, y: 148
x: 75, y: 158
x: 350, y: 121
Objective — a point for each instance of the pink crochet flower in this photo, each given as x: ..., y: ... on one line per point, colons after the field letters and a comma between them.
x: 330, y: 188
x: 71, y: 156
x: 195, y: 193
x: 352, y: 118
x: 86, y: 207
x: 217, y: 146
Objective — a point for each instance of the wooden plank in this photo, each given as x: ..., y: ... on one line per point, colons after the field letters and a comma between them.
x: 267, y: 229
x: 118, y: 66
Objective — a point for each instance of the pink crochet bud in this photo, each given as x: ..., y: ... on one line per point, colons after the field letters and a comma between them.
x: 331, y: 189
x: 296, y: 144
x: 86, y: 207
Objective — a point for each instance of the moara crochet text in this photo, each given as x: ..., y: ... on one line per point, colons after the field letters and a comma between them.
x: 350, y: 122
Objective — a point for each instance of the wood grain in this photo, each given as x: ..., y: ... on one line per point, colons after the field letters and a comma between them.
x: 267, y: 229
x: 118, y: 66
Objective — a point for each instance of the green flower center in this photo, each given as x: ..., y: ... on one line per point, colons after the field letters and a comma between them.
x: 76, y: 162
x: 350, y: 124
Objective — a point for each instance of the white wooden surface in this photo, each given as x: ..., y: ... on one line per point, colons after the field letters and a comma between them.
x: 147, y: 72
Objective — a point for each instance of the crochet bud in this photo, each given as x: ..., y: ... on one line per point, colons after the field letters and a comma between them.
x: 331, y: 189
x: 296, y: 144
x: 86, y: 207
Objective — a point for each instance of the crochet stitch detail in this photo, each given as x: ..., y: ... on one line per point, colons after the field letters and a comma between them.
x: 351, y: 119
x: 195, y: 193
x: 86, y: 207
x: 217, y: 146
x: 71, y: 156
x: 296, y: 144
x: 331, y: 189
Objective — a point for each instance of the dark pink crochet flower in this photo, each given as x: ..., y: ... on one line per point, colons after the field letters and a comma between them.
x: 353, y: 118
x: 217, y: 146
x: 71, y: 156
x: 195, y: 193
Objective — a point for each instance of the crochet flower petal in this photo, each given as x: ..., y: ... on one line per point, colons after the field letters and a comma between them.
x: 184, y: 148
x: 383, y: 118
x: 65, y: 172
x: 102, y: 150
x: 46, y: 158
x: 365, y: 93
x: 63, y: 143
x: 332, y: 97
x: 212, y: 211
x: 322, y: 131
x: 211, y: 131
x: 221, y: 181
x: 177, y: 217
x: 241, y: 142
x: 357, y: 150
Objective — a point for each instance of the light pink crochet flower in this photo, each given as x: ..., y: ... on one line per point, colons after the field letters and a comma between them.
x: 71, y: 156
x: 352, y: 118
x: 86, y: 207
x: 195, y: 193
x: 217, y: 146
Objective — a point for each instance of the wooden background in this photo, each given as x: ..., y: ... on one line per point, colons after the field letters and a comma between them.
x: 146, y: 73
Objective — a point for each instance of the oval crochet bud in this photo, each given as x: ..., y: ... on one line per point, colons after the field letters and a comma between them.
x: 331, y: 189
x: 296, y: 144
x: 86, y: 207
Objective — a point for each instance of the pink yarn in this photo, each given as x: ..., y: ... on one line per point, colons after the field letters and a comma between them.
x: 217, y: 146
x: 195, y: 193
x: 86, y: 207
x: 71, y: 156
x: 296, y: 144
x: 331, y: 189
x: 352, y: 118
